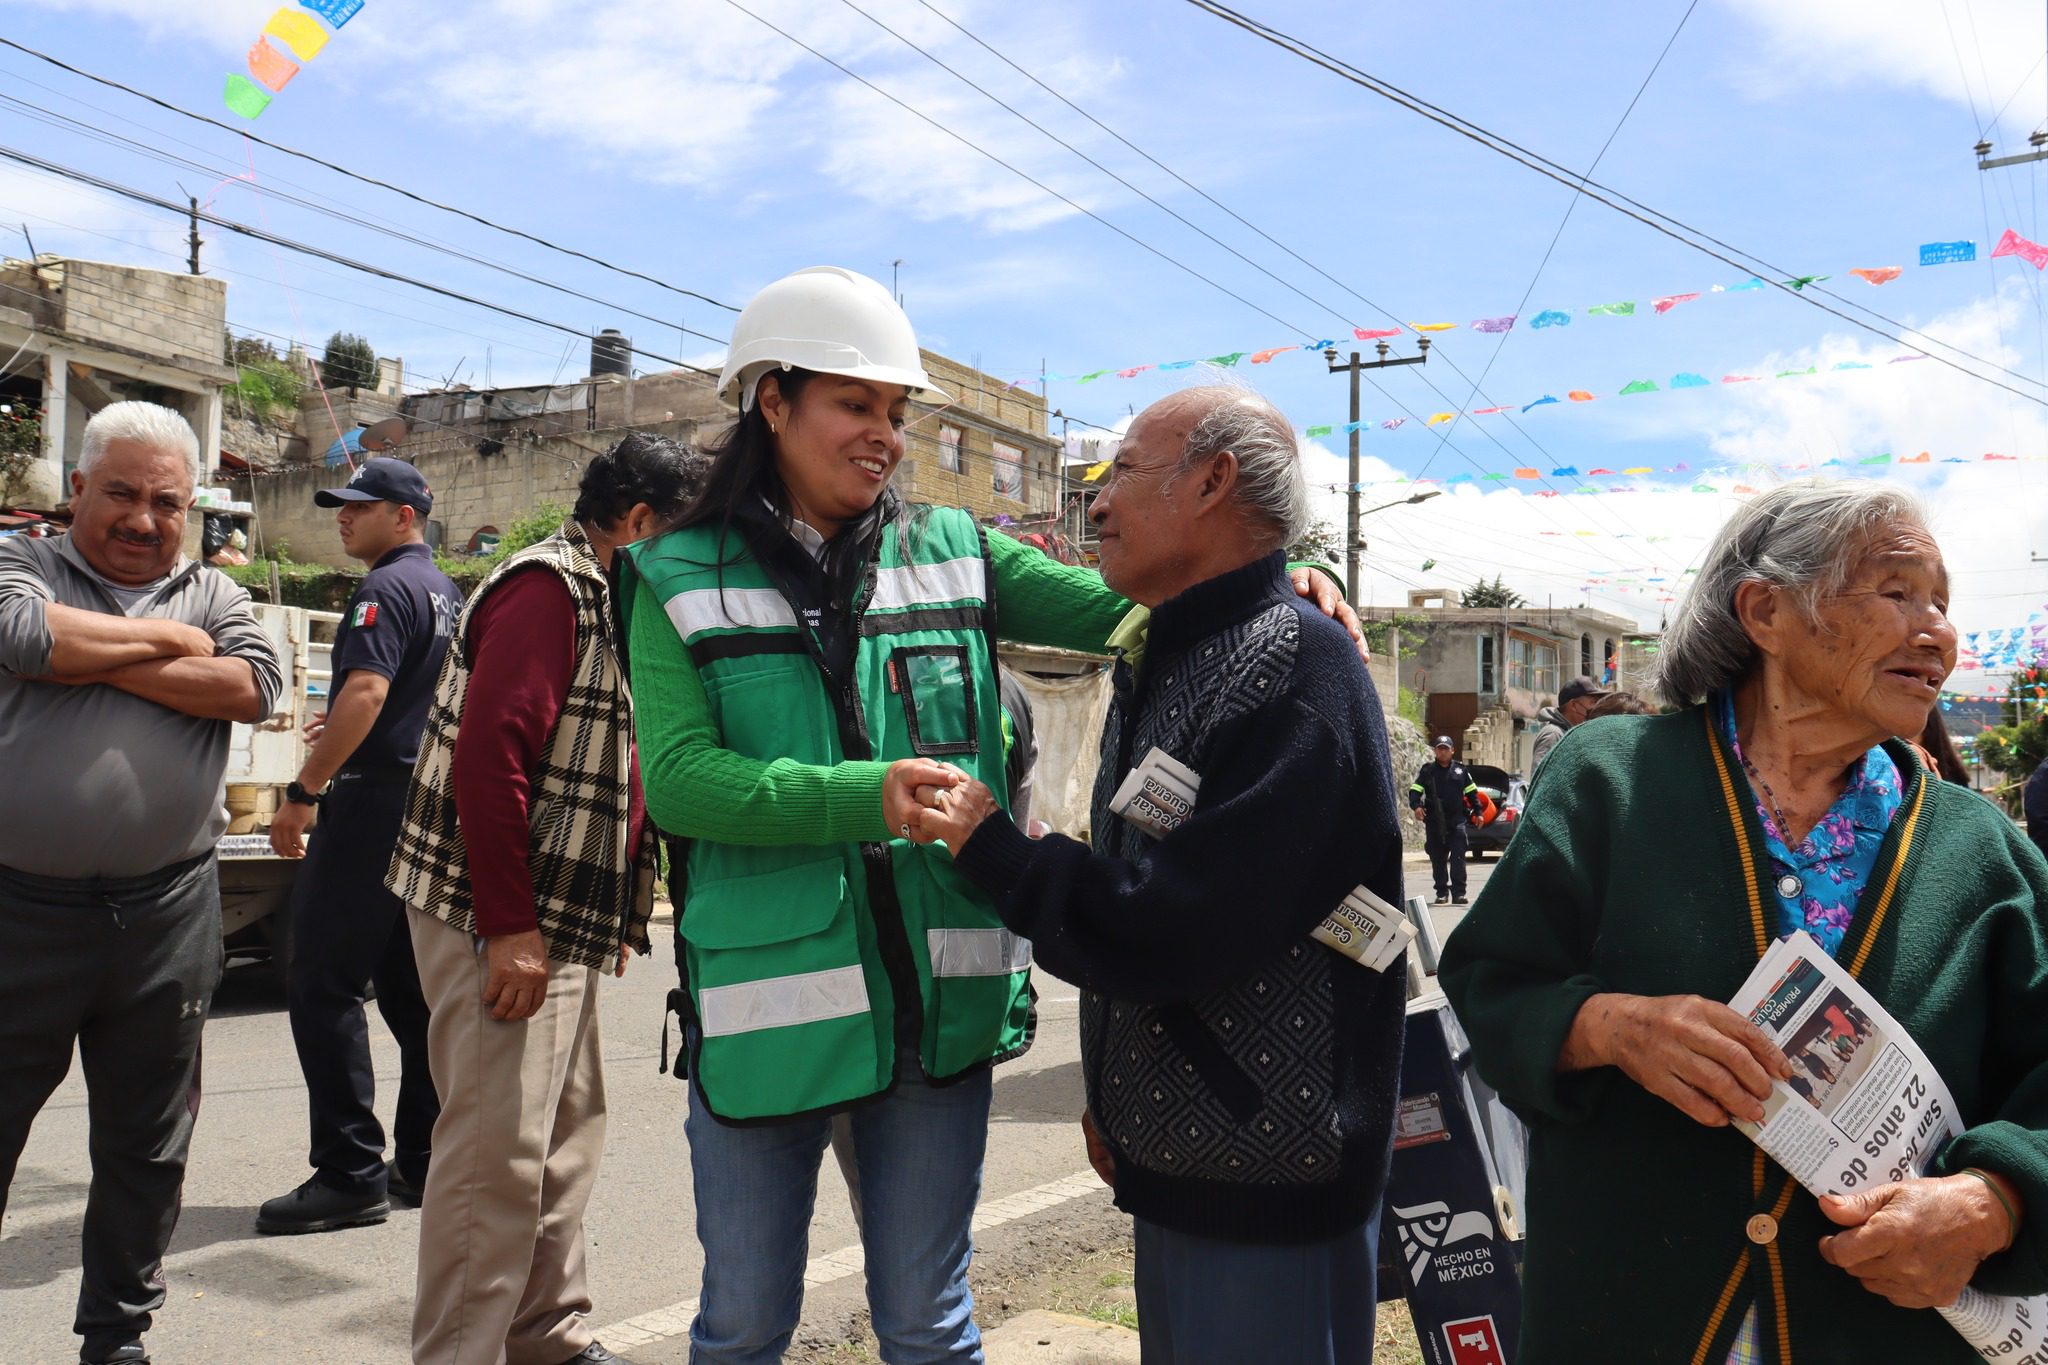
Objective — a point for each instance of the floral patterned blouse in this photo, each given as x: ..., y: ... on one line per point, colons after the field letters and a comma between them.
x: 1819, y: 882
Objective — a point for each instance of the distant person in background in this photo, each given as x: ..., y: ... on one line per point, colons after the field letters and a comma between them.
x: 122, y: 664
x: 348, y: 930
x: 1935, y: 744
x: 2036, y: 804
x: 1619, y: 704
x: 1446, y: 799
x: 1574, y: 700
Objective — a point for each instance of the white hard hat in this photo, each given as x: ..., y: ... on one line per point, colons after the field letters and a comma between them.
x: 829, y: 320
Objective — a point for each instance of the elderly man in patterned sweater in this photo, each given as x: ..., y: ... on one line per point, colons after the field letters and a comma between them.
x: 1241, y: 1077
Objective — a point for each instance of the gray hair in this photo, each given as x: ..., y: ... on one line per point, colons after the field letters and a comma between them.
x: 1804, y: 537
x: 1269, y: 482
x: 146, y: 424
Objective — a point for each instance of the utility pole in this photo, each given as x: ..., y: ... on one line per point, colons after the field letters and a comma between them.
x: 2038, y: 140
x: 1354, y: 367
x: 193, y: 237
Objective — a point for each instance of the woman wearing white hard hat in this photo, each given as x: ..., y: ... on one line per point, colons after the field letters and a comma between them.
x: 807, y: 651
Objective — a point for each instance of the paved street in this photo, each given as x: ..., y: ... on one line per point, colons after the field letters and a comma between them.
x: 347, y: 1295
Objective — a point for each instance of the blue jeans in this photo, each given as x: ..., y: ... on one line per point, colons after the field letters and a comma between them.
x: 1205, y: 1301
x: 918, y: 1150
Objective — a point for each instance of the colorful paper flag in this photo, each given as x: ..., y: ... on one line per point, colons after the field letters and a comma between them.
x: 1528, y: 474
x: 1881, y: 274
x: 1579, y: 396
x: 1551, y: 317
x: 2012, y: 244
x: 1686, y: 379
x: 1392, y: 423
x: 1564, y: 471
x: 1618, y: 310
x: 1798, y: 282
x: 1798, y: 374
x: 1096, y: 471
x: 1546, y: 398
x: 274, y: 71
x: 335, y: 12
x: 1226, y: 360
x: 1318, y: 431
x: 1374, y: 334
x: 1947, y: 253
x: 1092, y: 377
x: 1751, y: 283
x: 1494, y: 324
x: 1639, y: 386
x: 1432, y: 326
x: 1665, y: 305
x: 302, y: 35
x: 244, y: 96
x: 1132, y: 372
x: 1488, y: 412
x: 1438, y: 418
x: 1262, y: 357
x: 1179, y: 364
x: 1738, y: 379
x: 1850, y: 365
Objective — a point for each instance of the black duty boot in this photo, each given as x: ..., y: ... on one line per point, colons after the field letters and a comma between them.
x: 314, y: 1207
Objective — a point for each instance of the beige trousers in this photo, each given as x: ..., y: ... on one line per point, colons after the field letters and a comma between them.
x: 501, y: 1273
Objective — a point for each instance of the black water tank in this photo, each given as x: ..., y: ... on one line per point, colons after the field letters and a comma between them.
x: 611, y: 352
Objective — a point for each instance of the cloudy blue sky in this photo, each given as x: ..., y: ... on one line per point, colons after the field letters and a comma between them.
x: 692, y: 142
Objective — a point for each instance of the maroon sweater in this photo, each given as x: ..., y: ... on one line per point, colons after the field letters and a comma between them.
x: 522, y: 646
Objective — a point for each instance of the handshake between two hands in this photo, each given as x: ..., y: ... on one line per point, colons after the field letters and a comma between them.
x: 928, y: 802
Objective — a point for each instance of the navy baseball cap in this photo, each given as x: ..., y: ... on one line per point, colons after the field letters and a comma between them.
x: 382, y: 480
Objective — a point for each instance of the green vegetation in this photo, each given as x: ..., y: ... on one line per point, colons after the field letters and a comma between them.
x: 348, y: 362
x: 1494, y: 594
x: 21, y: 443
x: 2016, y: 746
x: 322, y: 587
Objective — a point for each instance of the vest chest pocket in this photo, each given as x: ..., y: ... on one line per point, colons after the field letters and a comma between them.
x: 936, y: 686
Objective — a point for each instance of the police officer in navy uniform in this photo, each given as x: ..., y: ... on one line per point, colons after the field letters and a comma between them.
x: 348, y: 930
x: 1445, y: 798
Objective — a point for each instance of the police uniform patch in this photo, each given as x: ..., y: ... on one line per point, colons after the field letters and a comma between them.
x: 366, y: 614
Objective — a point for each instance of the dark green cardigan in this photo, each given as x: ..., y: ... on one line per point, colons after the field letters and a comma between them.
x: 1639, y: 867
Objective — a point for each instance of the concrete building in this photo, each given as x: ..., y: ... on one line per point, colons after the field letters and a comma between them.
x: 84, y: 334
x: 1488, y: 671
x: 989, y: 452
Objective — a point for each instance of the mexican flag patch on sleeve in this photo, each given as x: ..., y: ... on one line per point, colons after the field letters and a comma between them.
x: 366, y: 614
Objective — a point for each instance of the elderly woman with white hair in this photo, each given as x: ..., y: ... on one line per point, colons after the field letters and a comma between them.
x: 1590, y: 974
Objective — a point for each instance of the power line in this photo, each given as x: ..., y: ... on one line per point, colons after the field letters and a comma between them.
x: 1565, y: 221
x: 967, y: 142
x: 321, y: 253
x: 1652, y: 218
x: 171, y: 158
x: 367, y: 179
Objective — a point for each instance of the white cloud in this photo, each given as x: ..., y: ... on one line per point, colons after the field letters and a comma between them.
x: 229, y: 24
x: 71, y: 219
x: 1980, y: 52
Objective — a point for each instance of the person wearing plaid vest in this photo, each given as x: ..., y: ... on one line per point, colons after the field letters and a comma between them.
x: 527, y: 866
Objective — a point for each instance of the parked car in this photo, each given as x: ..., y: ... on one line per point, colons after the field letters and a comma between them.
x: 1507, y: 792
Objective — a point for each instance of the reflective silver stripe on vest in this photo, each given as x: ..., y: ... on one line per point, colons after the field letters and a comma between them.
x: 724, y: 608
x: 931, y: 585
x: 977, y: 952
x: 781, y: 1001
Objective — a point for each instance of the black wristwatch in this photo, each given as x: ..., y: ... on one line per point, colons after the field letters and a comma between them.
x: 297, y: 794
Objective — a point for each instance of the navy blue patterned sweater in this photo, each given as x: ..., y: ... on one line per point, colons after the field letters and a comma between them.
x: 1244, y: 1075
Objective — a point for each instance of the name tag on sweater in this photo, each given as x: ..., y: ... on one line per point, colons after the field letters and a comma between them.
x: 1365, y: 929
x: 1158, y: 794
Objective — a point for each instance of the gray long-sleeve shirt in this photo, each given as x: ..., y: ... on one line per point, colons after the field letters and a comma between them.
x: 96, y: 782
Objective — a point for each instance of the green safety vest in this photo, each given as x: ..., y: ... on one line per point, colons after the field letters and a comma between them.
x: 806, y: 963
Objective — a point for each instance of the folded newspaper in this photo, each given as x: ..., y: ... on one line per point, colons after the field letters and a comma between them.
x: 1864, y: 1106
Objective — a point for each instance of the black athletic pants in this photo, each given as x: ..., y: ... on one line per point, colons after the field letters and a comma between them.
x: 1447, y: 858
x: 349, y: 931
x: 126, y: 969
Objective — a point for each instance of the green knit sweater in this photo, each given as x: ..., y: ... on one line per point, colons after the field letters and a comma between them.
x: 1639, y: 867
x: 699, y: 790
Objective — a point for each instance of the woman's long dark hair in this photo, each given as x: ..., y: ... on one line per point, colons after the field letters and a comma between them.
x: 1948, y: 762
x: 744, y: 473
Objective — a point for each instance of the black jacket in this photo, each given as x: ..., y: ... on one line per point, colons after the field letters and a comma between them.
x: 1443, y: 792
x: 1244, y: 1075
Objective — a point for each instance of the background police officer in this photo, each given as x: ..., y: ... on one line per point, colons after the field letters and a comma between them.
x: 348, y: 929
x: 1444, y: 797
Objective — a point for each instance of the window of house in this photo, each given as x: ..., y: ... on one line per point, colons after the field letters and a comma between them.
x: 949, y: 448
x: 1007, y: 478
x: 1488, y: 682
x: 1520, y: 662
x: 1545, y: 668
x: 1586, y: 654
